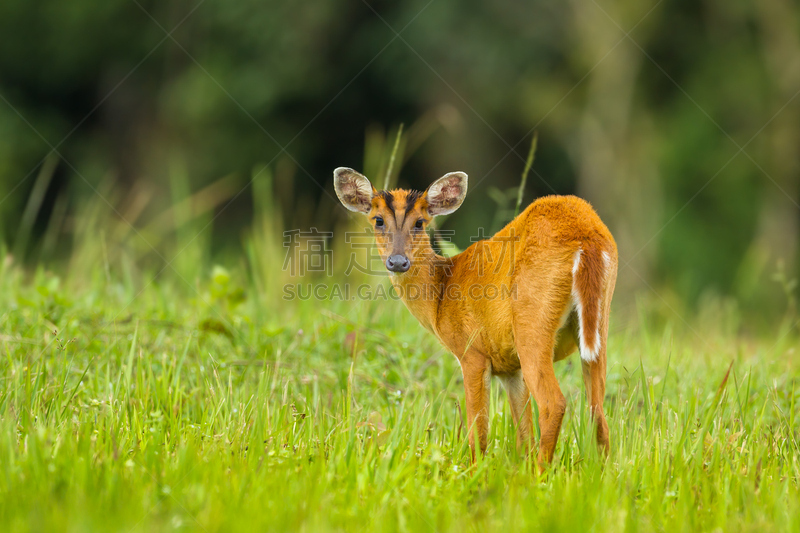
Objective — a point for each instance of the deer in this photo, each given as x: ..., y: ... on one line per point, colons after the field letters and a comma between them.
x: 558, y: 263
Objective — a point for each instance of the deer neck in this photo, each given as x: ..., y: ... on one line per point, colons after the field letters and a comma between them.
x: 423, y: 286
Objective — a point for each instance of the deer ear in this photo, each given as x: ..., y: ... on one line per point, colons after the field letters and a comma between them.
x: 446, y: 194
x: 353, y: 189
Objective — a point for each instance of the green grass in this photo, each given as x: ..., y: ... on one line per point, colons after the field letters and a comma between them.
x: 130, y: 405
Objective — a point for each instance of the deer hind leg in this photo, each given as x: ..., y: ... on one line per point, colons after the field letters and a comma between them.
x: 477, y: 372
x: 536, y: 358
x: 594, y: 276
x: 519, y: 398
x: 594, y: 377
x: 535, y: 329
x: 567, y: 338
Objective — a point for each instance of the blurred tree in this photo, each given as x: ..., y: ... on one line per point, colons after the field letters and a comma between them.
x: 172, y: 109
x: 612, y: 142
x: 779, y: 222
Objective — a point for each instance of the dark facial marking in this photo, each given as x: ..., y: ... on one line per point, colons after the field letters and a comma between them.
x: 411, y: 200
x: 389, y: 199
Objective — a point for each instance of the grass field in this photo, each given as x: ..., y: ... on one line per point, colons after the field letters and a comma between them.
x: 136, y: 405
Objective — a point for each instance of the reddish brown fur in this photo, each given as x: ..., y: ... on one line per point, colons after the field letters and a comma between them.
x: 518, y: 337
x: 589, y: 283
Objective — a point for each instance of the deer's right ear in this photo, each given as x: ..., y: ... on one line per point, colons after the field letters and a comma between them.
x: 353, y: 189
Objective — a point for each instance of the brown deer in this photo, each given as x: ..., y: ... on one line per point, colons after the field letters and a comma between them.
x: 509, y: 306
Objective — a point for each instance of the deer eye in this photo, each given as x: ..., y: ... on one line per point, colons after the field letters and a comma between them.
x: 419, y: 223
x: 379, y: 222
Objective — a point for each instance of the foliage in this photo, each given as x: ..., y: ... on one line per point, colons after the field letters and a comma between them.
x: 126, y: 411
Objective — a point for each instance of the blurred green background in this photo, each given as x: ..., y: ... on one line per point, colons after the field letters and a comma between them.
x: 163, y: 134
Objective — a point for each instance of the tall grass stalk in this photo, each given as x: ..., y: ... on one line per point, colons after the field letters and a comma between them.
x: 387, y: 180
x: 526, y: 170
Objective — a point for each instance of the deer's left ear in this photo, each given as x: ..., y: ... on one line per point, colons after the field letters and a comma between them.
x: 446, y: 194
x: 353, y: 189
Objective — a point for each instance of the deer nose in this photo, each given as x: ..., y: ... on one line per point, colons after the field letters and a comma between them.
x: 398, y: 263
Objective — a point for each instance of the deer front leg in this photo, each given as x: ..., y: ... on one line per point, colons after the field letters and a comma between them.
x: 477, y: 372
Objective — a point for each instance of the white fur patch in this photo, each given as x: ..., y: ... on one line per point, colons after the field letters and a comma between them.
x: 607, y: 261
x: 513, y: 382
